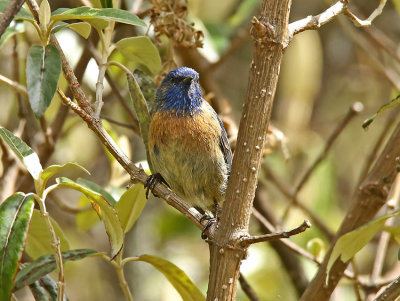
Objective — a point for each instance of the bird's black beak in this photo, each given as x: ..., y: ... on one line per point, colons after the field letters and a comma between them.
x: 187, y: 80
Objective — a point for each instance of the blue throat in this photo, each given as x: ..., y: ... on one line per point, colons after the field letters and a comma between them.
x: 179, y: 98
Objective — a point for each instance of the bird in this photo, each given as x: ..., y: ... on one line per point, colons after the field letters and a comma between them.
x: 188, y: 144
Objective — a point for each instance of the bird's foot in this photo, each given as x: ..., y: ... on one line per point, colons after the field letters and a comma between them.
x: 210, y: 221
x: 152, y: 181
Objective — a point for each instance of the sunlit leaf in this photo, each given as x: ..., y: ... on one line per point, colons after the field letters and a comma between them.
x: 44, y: 13
x: 140, y: 50
x: 38, y: 242
x: 97, y: 188
x: 50, y: 171
x: 15, y: 213
x: 88, y: 218
x: 27, y: 156
x: 182, y: 283
x: 108, y: 14
x: 45, y: 264
x: 352, y: 242
x: 130, y: 205
x: 82, y: 28
x: 43, y: 68
x: 104, y: 209
x: 316, y: 247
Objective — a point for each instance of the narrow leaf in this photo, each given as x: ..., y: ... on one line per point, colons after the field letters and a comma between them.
x: 130, y: 205
x: 42, y: 266
x: 39, y: 293
x: 106, y: 212
x: 50, y: 171
x: 390, y: 104
x: 182, y: 283
x: 43, y: 68
x: 141, y: 51
x: 44, y: 13
x: 28, y: 157
x: 352, y: 242
x: 15, y: 213
x: 38, y: 241
x: 108, y: 14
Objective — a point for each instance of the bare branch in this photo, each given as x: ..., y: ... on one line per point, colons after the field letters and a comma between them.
x: 340, y: 7
x: 391, y: 292
x: 13, y: 84
x: 245, y: 241
x: 247, y: 289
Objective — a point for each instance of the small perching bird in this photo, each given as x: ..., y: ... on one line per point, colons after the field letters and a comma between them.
x: 188, y: 143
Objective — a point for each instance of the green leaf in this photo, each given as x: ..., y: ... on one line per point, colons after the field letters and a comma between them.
x: 38, y: 242
x: 106, y: 3
x: 13, y: 29
x: 23, y: 14
x: 352, y: 242
x: 97, y: 188
x: 50, y: 171
x: 39, y: 293
x: 130, y: 205
x: 142, y: 112
x: 88, y: 218
x: 44, y: 13
x: 28, y: 157
x: 182, y: 283
x: 45, y: 264
x: 106, y: 212
x: 43, y: 68
x: 15, y: 213
x: 108, y: 14
x: 140, y: 50
x: 82, y: 28
x: 390, y: 104
x: 51, y: 288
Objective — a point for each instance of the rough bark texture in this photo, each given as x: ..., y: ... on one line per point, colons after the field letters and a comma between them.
x: 270, y: 37
x: 368, y: 199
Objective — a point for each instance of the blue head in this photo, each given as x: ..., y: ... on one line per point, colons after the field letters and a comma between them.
x: 179, y: 92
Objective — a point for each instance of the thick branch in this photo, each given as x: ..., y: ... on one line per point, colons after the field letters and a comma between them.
x: 368, y: 199
x: 270, y: 36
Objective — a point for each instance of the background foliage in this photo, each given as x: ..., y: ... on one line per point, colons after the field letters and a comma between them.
x: 323, y: 74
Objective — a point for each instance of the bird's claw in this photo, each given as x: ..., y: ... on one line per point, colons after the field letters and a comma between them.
x: 210, y: 221
x: 152, y: 181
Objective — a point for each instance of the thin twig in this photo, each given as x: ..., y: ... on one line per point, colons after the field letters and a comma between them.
x: 355, y: 109
x: 247, y: 289
x: 15, y: 85
x: 244, y: 241
x: 125, y: 125
x: 391, y: 292
x: 340, y: 7
x: 285, y: 191
x: 135, y: 123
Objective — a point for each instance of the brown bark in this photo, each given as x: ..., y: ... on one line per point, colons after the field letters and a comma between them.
x: 270, y: 38
x: 368, y: 199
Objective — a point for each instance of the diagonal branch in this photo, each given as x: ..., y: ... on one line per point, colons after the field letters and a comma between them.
x: 246, y: 241
x: 9, y: 13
